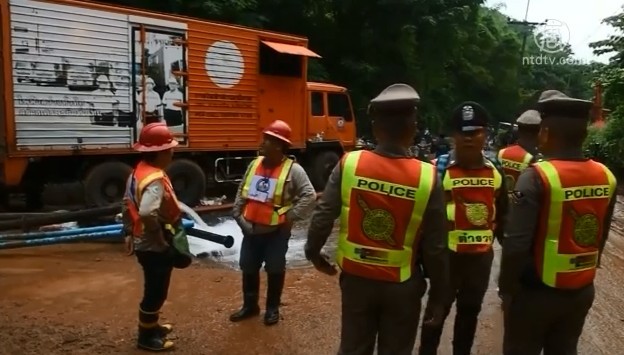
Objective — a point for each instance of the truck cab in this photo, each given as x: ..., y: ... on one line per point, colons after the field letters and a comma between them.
x: 331, y: 129
x: 331, y: 117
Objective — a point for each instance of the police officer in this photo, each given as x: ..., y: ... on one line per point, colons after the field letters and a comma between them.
x: 476, y: 206
x: 274, y: 193
x: 391, y: 211
x: 517, y: 157
x: 559, y: 222
x: 150, y: 215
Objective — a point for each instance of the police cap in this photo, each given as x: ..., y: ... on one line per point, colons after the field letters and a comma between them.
x: 553, y: 102
x: 529, y: 118
x: 469, y: 116
x: 395, y: 96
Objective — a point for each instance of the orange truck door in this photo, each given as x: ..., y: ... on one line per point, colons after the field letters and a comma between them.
x: 283, y: 86
x: 318, y: 124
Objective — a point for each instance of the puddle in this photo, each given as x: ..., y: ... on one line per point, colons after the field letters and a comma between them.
x: 216, y: 253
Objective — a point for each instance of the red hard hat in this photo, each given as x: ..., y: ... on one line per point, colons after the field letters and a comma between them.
x: 155, y: 137
x: 280, y: 130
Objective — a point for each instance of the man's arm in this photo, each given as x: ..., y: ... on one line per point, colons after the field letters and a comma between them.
x: 434, y: 243
x: 304, y: 196
x: 239, y: 201
x: 325, y: 213
x: 606, y: 228
x: 502, y: 209
x: 520, y: 231
x: 149, y: 207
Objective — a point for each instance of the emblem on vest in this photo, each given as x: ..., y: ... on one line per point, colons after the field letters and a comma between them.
x: 377, y: 224
x: 585, y: 230
x: 263, y: 185
x: 477, y: 213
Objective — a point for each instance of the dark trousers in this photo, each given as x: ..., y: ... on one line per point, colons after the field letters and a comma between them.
x: 173, y: 117
x: 384, y: 311
x: 269, y: 248
x: 546, y: 319
x: 157, y: 268
x: 470, y: 277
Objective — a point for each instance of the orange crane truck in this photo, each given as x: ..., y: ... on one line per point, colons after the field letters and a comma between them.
x: 80, y: 79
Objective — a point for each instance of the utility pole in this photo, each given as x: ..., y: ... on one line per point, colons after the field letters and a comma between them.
x: 526, y: 25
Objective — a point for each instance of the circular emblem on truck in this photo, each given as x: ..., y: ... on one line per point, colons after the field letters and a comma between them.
x: 586, y: 228
x: 340, y: 123
x: 224, y: 64
x: 377, y: 224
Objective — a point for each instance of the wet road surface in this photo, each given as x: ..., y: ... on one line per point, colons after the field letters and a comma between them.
x: 82, y: 299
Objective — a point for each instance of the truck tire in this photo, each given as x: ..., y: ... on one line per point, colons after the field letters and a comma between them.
x: 189, y: 181
x: 105, y: 183
x: 321, y: 167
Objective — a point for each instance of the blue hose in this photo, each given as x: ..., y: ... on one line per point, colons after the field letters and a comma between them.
x: 71, y: 235
x: 60, y: 233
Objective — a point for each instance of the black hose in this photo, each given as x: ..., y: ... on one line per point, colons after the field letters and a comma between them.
x: 225, y: 240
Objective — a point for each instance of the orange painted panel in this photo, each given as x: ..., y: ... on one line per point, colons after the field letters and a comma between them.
x: 228, y: 104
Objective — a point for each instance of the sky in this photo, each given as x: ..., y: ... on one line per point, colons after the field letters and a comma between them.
x: 581, y: 17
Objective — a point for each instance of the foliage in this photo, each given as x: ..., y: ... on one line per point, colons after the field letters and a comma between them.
x: 608, y: 143
x: 450, y: 50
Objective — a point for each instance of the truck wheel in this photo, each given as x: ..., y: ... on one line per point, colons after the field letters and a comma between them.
x: 106, y: 183
x: 321, y: 168
x: 189, y: 181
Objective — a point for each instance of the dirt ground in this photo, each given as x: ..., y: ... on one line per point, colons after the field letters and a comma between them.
x: 82, y: 299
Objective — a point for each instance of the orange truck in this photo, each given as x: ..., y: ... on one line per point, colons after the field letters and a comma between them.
x: 80, y: 79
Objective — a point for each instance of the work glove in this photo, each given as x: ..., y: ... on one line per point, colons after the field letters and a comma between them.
x: 435, y: 316
x: 129, y: 245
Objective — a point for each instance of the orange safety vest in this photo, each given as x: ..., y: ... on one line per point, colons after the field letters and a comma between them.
x: 143, y: 175
x: 514, y: 159
x: 572, y: 215
x: 263, y: 191
x: 383, y: 203
x: 471, y: 207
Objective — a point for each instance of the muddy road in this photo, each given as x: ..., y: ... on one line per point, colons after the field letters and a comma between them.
x: 82, y: 299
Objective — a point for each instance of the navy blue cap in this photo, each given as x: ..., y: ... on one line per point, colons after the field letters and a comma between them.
x: 469, y: 116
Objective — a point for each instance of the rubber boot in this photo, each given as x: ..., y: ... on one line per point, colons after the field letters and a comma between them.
x: 150, y: 339
x: 274, y: 298
x: 165, y: 329
x: 151, y: 334
x: 251, y: 289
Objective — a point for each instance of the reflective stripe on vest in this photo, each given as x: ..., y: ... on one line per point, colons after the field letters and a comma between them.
x: 264, y: 193
x: 514, y: 160
x: 471, y: 207
x: 143, y: 175
x: 577, y: 196
x: 383, y: 202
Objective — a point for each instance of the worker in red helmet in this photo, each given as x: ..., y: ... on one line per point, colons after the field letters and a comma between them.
x: 274, y: 193
x: 151, y: 215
